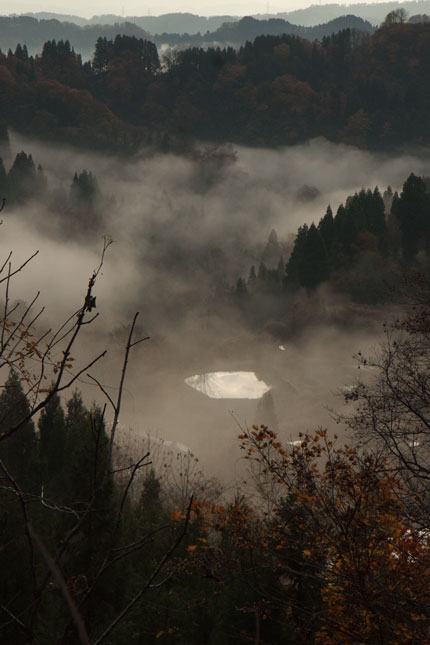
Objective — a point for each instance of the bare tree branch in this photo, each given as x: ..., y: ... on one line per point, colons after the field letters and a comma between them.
x: 20, y: 268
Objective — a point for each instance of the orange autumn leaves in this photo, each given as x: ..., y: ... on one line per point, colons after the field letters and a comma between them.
x: 349, y: 536
x: 376, y: 566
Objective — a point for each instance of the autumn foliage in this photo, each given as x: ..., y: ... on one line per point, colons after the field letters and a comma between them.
x: 371, y: 564
x: 365, y: 90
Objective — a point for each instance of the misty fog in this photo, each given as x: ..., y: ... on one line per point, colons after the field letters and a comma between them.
x: 181, y: 227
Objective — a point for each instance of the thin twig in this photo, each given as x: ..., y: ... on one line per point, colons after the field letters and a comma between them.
x: 20, y: 268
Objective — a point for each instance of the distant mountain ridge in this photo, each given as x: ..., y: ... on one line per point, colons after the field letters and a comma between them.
x: 34, y: 33
x: 249, y: 28
x: 181, y: 23
x: 374, y: 12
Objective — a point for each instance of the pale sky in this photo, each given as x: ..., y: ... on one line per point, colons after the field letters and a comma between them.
x: 89, y: 8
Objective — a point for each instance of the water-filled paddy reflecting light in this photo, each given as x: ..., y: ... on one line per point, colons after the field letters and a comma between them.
x: 229, y: 385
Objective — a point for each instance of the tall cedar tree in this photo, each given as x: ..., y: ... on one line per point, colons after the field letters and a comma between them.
x: 52, y: 441
x: 18, y: 455
x: 19, y: 451
x: 24, y: 182
x: 413, y: 213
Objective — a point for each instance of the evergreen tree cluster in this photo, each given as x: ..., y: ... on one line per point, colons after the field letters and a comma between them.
x: 84, y: 190
x: 58, y: 474
x: 20, y: 52
x: 59, y: 61
x: 359, y: 251
x: 60, y: 466
x: 59, y: 51
x: 24, y: 181
x: 60, y: 457
x: 318, y: 250
x: 110, y: 53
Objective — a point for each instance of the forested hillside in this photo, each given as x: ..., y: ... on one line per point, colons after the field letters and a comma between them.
x: 369, y: 91
x: 360, y: 251
x: 374, y: 12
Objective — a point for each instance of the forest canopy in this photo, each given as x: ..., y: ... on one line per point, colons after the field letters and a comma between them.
x: 369, y: 91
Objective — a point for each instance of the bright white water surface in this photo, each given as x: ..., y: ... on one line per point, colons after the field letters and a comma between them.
x: 229, y: 385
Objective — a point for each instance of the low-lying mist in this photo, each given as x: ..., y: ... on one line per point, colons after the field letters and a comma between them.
x: 182, y: 228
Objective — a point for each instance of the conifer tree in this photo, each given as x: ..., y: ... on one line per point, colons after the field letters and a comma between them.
x: 252, y: 279
x: 292, y: 280
x: 18, y: 52
x: 19, y: 452
x: 395, y: 204
x: 150, y: 506
x: 327, y: 229
x: 345, y: 227
x: 313, y: 266
x: 272, y: 250
x: 376, y: 214
x: 23, y: 180
x: 413, y: 213
x: 262, y: 274
x: 101, y: 57
x: 52, y: 442
x: 85, y: 460
x: 388, y: 199
x: 241, y: 292
x: 280, y: 269
x: 84, y: 190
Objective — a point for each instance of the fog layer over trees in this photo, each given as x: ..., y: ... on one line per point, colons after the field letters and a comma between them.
x: 185, y: 229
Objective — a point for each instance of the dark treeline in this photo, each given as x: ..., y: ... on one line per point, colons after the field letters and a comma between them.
x: 25, y: 29
x: 369, y: 91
